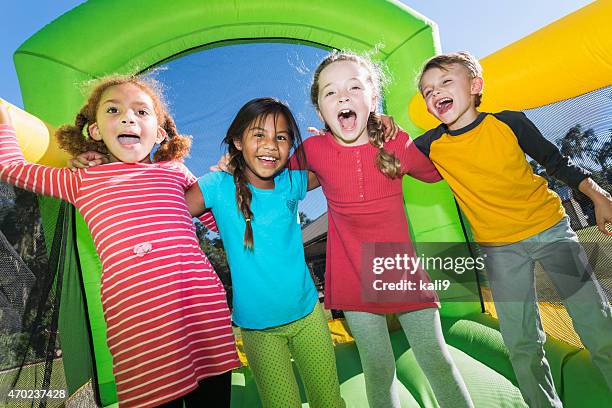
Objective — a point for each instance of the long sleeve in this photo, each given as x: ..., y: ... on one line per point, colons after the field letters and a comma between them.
x: 49, y: 181
x: 542, y: 150
x: 413, y: 161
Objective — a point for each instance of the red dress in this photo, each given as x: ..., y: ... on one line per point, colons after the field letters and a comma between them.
x: 364, y: 207
x: 168, y: 324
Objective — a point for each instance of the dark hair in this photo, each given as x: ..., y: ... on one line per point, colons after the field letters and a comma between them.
x: 463, y: 58
x: 255, y: 110
x: 75, y: 139
x: 386, y: 161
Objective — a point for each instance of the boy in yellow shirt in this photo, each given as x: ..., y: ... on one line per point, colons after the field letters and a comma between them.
x: 516, y: 219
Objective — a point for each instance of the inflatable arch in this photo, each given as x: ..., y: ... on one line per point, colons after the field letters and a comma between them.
x: 116, y: 41
x: 103, y: 36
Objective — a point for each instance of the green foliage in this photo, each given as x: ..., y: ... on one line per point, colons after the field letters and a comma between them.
x: 212, y: 246
x: 304, y: 220
x: 595, y: 155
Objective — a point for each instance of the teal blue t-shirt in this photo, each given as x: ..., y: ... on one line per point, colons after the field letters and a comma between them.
x: 271, y: 284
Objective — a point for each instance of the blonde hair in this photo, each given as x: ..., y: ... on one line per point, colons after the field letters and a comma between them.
x: 386, y: 161
x: 75, y: 139
x: 463, y: 58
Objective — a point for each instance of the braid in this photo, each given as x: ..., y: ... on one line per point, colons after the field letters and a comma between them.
x: 386, y: 162
x: 255, y: 112
x: 243, y: 193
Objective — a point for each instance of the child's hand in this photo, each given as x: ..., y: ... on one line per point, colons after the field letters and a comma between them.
x: 315, y: 131
x: 86, y: 160
x: 602, y: 201
x: 222, y: 164
x: 391, y: 128
x: 603, y: 214
x: 5, y: 118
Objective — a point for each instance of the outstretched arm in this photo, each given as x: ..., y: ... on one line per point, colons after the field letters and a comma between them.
x: 5, y: 118
x: 561, y: 167
x: 14, y: 169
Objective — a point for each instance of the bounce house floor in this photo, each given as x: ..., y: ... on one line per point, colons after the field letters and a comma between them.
x: 478, y: 351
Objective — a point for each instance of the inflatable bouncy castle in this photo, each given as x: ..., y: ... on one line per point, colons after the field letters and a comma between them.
x: 52, y: 332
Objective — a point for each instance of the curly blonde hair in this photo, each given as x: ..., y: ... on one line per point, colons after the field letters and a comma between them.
x: 386, y: 161
x: 75, y: 139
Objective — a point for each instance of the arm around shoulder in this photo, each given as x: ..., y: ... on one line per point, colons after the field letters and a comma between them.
x: 195, y: 200
x: 415, y: 162
x: 313, y: 181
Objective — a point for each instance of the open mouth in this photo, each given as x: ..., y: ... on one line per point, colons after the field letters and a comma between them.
x: 127, y: 140
x: 444, y: 105
x: 347, y: 119
x: 267, y: 160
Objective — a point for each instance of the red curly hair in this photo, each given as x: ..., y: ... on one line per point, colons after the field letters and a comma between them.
x: 75, y: 139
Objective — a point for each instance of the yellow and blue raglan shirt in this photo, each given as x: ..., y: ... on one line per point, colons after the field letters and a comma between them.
x: 484, y: 163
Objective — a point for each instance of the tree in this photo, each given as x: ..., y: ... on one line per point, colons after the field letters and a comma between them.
x: 576, y: 143
x: 553, y: 183
x: 212, y: 246
x: 304, y: 220
x: 579, y: 144
x: 603, y: 157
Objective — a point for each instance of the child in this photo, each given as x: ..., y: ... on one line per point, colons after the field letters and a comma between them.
x: 168, y: 324
x: 366, y: 206
x: 516, y: 219
x: 275, y: 301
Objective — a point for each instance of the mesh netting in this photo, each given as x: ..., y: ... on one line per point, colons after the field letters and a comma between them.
x: 581, y: 128
x: 31, y: 366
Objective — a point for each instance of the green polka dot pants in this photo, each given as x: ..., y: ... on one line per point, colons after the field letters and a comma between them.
x: 308, y: 341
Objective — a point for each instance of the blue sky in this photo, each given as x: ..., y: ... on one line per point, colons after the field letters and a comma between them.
x: 480, y: 26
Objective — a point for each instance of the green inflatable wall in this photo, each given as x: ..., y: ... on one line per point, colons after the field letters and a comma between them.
x: 109, y: 36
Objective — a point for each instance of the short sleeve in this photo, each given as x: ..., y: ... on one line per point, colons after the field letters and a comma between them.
x: 300, y: 179
x: 189, y: 177
x: 210, y: 185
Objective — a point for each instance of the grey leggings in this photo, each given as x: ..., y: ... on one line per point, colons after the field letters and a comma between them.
x: 424, y: 333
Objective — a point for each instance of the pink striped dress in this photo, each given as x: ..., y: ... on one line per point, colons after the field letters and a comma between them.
x: 168, y: 324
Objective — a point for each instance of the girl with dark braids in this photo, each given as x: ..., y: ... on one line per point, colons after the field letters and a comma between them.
x: 168, y: 325
x: 361, y: 178
x: 275, y: 302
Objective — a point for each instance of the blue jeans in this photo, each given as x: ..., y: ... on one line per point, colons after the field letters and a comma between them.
x: 510, y: 270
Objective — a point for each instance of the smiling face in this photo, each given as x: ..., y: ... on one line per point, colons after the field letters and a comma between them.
x: 127, y: 124
x: 265, y: 147
x: 345, y: 100
x: 450, y: 95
